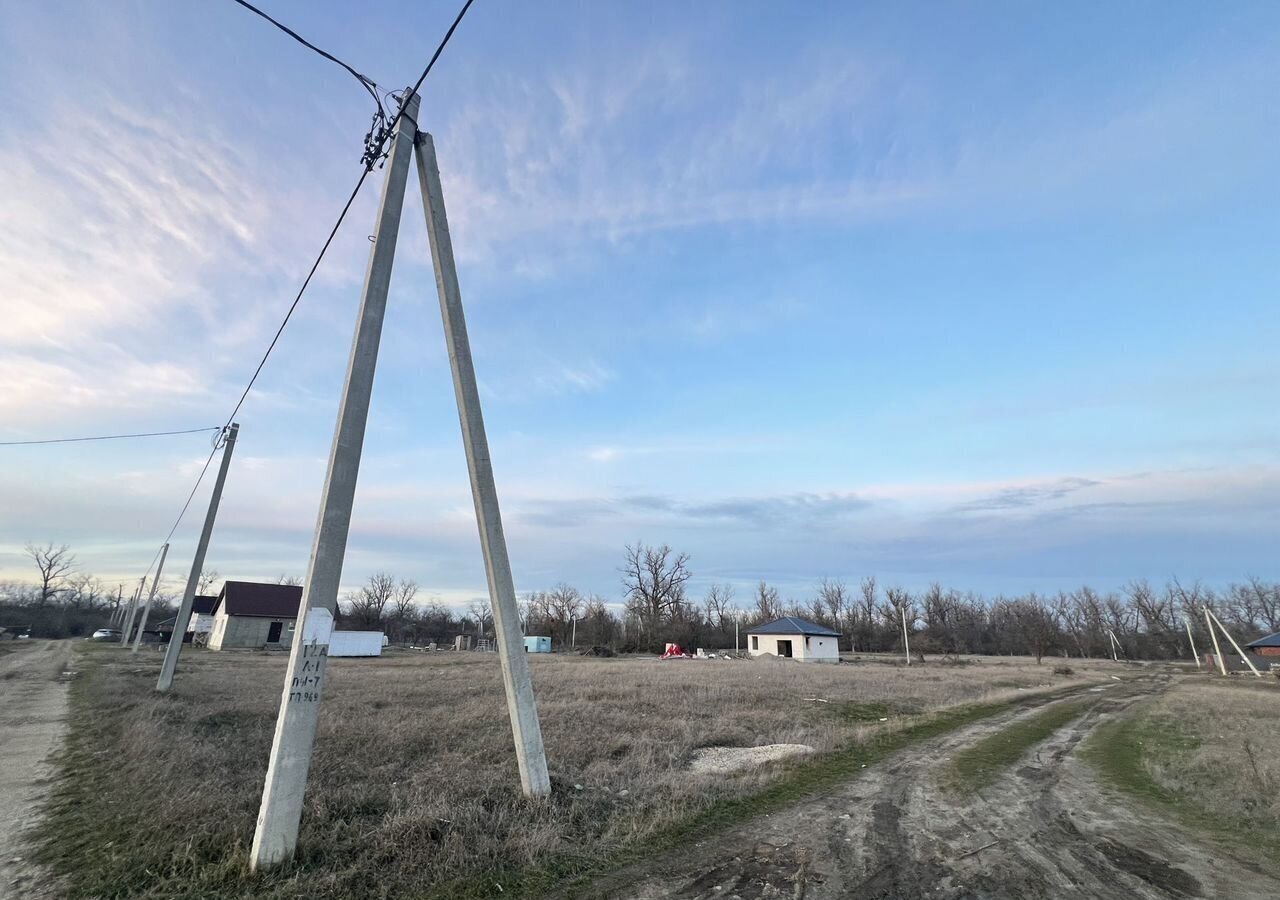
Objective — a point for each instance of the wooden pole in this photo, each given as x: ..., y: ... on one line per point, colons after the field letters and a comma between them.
x: 1217, y: 651
x: 1248, y: 662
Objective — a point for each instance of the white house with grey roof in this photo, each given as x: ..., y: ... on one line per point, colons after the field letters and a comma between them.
x: 794, y: 639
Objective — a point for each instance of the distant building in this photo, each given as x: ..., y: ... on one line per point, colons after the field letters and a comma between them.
x: 1267, y: 646
x: 249, y: 615
x: 794, y: 639
x: 536, y: 644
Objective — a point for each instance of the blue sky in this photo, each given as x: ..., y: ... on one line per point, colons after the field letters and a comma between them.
x: 982, y: 293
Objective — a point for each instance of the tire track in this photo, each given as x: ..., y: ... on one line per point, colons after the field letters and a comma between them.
x: 1044, y: 829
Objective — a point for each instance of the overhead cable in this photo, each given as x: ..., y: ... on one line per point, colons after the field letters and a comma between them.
x: 108, y: 437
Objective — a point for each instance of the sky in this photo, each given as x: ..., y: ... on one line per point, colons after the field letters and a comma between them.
x: 978, y: 293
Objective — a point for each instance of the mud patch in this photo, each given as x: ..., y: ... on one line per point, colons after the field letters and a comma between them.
x: 1170, y: 879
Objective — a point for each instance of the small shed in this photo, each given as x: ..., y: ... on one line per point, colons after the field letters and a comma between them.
x: 537, y: 644
x: 251, y: 615
x: 794, y: 638
x: 1267, y: 646
x: 357, y: 643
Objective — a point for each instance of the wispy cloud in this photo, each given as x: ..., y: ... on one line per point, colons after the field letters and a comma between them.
x: 1028, y: 496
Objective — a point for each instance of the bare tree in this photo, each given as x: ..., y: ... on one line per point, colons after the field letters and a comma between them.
x: 833, y: 599
x: 1036, y: 624
x: 367, y: 604
x: 403, y: 598
x: 719, y: 604
x: 282, y: 578
x: 208, y: 578
x: 480, y: 611
x: 55, y: 564
x: 654, y: 578
x: 768, y: 606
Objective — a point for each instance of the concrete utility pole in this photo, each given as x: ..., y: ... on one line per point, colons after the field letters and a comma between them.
x: 906, y: 642
x: 133, y: 611
x: 174, y: 650
x: 1192, y: 640
x: 1247, y: 661
x: 280, y: 814
x: 146, y: 608
x: 525, y: 728
x: 1217, y: 651
x: 1114, y: 644
x: 116, y: 610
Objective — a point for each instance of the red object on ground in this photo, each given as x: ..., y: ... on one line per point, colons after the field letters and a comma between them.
x: 674, y: 651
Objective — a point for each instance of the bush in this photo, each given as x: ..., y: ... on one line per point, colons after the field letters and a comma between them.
x: 1063, y: 670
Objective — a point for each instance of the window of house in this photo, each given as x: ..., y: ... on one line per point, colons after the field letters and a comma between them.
x: 755, y: 642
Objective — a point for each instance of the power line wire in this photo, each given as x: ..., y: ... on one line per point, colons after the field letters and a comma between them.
x: 108, y: 437
x: 365, y: 81
x: 444, y: 42
x: 376, y: 143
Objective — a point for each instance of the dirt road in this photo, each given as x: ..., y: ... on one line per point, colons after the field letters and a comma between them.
x: 33, y: 708
x: 1046, y: 829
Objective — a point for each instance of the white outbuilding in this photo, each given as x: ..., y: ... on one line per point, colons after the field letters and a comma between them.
x: 795, y: 639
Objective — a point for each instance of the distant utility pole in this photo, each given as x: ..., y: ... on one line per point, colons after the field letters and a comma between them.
x: 1115, y: 644
x: 906, y: 641
x: 174, y: 650
x: 133, y: 611
x: 118, y: 610
x: 280, y: 814
x: 146, y: 608
x: 1217, y: 651
x: 1192, y: 640
x: 1247, y: 661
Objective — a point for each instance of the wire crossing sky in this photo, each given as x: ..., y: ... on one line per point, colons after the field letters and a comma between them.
x: 980, y: 296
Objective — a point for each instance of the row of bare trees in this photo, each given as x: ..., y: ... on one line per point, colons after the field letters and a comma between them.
x: 1148, y: 622
x: 62, y: 600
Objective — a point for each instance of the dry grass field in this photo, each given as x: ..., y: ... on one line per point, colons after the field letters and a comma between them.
x: 414, y: 790
x: 1205, y: 750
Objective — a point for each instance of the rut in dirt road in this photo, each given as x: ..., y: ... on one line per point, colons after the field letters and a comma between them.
x: 1045, y: 829
x: 34, y: 681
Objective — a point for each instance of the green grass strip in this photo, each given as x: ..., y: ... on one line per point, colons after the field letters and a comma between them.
x: 977, y: 766
x: 1118, y: 751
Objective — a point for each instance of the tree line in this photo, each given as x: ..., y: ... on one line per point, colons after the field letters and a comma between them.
x: 656, y: 607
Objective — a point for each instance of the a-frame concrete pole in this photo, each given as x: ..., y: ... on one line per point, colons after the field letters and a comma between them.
x: 280, y: 814
x: 146, y: 607
x: 174, y: 650
x: 1247, y: 661
x: 1217, y: 651
x: 133, y: 611
x: 525, y: 727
